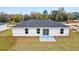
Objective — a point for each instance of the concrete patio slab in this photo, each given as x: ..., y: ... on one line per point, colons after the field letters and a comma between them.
x: 47, y: 39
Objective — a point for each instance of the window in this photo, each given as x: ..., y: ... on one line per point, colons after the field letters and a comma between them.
x: 26, y: 31
x: 38, y: 31
x: 45, y: 31
x: 61, y: 31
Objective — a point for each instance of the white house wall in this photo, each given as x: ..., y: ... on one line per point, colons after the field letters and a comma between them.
x: 3, y: 27
x: 54, y: 31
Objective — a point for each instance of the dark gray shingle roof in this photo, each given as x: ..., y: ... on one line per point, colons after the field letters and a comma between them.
x: 40, y: 23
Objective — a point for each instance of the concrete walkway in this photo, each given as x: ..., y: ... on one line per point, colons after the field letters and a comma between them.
x: 47, y: 39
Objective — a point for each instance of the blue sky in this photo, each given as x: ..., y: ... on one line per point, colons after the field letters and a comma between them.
x: 27, y: 10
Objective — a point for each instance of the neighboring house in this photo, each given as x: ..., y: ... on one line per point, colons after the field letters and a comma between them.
x: 40, y: 28
x: 3, y: 26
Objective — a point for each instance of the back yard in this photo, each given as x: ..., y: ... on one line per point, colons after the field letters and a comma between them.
x: 7, y: 42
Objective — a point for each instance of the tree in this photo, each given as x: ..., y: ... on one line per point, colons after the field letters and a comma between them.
x: 71, y: 16
x: 61, y: 17
x: 36, y: 15
x: 33, y: 15
x: 18, y: 18
x: 53, y: 14
x: 45, y: 14
x: 12, y: 19
x: 76, y: 15
x: 26, y: 17
x: 61, y: 9
x: 4, y: 17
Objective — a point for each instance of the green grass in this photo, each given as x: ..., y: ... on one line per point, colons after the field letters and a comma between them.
x: 69, y: 43
x: 7, y: 42
x: 6, y: 33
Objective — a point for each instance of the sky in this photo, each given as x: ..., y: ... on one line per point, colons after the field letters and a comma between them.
x: 28, y: 10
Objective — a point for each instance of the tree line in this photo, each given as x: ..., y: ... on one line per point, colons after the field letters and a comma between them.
x: 56, y: 15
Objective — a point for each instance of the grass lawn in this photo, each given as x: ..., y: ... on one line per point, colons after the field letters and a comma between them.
x: 33, y: 44
x: 6, y: 40
x: 63, y: 44
x: 6, y: 43
x: 69, y: 43
x: 6, y: 33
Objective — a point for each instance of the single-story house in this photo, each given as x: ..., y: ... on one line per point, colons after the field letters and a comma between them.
x: 41, y: 28
x: 3, y: 26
